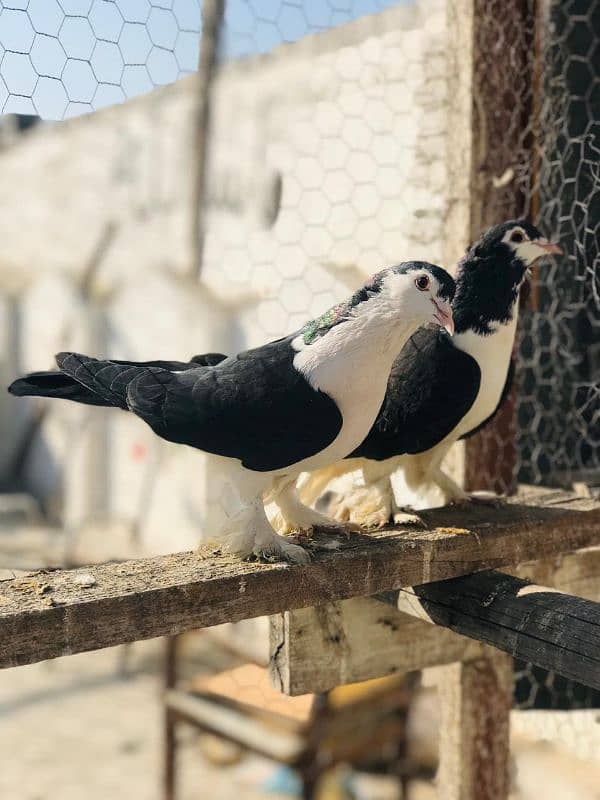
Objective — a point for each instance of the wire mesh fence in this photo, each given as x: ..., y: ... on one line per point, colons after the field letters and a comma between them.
x: 328, y: 159
x: 547, y: 117
x: 61, y: 58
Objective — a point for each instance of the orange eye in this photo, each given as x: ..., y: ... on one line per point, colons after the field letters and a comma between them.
x: 422, y: 283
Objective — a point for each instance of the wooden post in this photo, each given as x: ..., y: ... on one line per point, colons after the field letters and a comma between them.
x: 212, y: 19
x: 503, y: 78
x: 476, y: 697
x: 459, y: 150
x: 169, y: 750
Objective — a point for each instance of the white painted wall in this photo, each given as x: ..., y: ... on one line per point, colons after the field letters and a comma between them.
x: 353, y: 123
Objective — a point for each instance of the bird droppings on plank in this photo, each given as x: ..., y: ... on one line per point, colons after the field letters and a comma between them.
x: 84, y: 579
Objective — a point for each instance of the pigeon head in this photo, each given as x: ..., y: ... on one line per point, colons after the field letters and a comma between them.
x: 423, y: 292
x: 490, y: 274
x: 414, y: 291
x: 522, y: 242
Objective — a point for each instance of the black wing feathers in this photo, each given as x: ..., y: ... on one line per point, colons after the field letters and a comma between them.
x: 431, y: 387
x: 255, y: 407
x: 54, y: 384
x: 106, y: 379
x: 57, y: 384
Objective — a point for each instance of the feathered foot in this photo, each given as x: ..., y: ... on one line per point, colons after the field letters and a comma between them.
x: 304, y: 520
x: 293, y: 516
x: 407, y: 516
x: 366, y: 506
x: 249, y: 534
x: 456, y: 495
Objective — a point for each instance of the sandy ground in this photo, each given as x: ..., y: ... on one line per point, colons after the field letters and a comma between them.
x: 90, y: 726
x: 81, y: 727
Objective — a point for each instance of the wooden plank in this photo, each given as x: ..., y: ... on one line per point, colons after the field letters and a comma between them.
x: 575, y: 573
x: 538, y: 624
x: 235, y: 725
x: 51, y: 614
x: 475, y: 698
x: 316, y: 649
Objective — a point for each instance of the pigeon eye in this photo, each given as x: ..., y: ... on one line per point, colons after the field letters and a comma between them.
x: 422, y: 283
x: 517, y: 237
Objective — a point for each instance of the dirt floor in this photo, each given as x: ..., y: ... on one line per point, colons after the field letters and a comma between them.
x: 90, y: 726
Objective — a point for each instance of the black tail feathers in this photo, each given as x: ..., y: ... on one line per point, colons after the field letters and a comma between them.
x: 54, y: 384
x: 105, y: 379
x: 99, y: 383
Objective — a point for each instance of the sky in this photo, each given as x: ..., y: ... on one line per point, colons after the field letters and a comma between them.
x: 61, y: 58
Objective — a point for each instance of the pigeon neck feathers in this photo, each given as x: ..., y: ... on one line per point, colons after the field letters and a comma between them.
x: 389, y: 307
x: 487, y: 289
x: 348, y: 352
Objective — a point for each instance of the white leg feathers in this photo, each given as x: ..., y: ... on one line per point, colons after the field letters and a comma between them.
x: 293, y: 515
x: 244, y: 528
x: 250, y: 533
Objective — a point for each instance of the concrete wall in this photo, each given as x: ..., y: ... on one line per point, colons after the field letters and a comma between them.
x: 349, y: 124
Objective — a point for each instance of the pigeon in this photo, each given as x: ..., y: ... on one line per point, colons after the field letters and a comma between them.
x: 267, y: 414
x: 441, y: 389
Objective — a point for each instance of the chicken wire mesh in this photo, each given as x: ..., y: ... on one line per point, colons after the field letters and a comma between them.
x: 545, y: 109
x: 537, y: 123
x: 328, y: 160
x: 60, y: 58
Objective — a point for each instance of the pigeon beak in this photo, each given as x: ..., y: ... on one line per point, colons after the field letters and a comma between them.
x: 443, y: 315
x: 549, y: 247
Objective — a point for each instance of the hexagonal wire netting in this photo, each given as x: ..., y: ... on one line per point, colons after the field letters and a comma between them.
x: 341, y: 147
x: 546, y: 108
x: 547, y: 116
x: 60, y: 58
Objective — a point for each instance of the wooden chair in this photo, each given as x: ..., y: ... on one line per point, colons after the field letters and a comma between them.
x: 310, y: 733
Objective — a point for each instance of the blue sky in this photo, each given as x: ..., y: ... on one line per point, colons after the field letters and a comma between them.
x: 60, y: 58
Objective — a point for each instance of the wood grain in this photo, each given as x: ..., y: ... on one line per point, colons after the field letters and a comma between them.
x: 315, y: 649
x: 534, y: 623
x: 50, y: 614
x: 475, y: 699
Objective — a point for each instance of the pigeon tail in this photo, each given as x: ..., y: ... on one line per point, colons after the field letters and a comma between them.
x: 83, y: 379
x: 53, y: 384
x: 105, y: 379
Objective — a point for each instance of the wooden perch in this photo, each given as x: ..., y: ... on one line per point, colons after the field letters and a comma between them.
x: 50, y: 614
x: 554, y: 630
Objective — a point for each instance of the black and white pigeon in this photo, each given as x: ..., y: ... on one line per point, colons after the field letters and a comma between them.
x: 267, y: 414
x: 441, y: 389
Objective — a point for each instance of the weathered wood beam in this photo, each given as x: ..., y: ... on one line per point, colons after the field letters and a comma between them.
x: 475, y: 702
x: 315, y: 649
x: 501, y: 157
x: 50, y: 614
x: 212, y: 21
x: 538, y: 624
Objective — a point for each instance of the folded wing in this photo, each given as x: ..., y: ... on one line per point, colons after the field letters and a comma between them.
x: 431, y: 387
